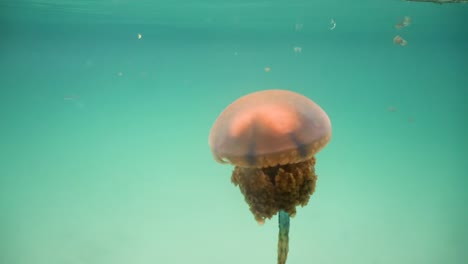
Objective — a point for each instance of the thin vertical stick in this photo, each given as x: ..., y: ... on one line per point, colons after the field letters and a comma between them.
x: 283, y: 236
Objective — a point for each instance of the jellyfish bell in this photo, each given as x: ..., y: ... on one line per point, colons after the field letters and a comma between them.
x: 269, y: 128
x: 271, y: 137
x: 404, y: 23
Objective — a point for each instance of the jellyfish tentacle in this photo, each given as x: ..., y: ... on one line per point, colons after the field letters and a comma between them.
x: 283, y: 236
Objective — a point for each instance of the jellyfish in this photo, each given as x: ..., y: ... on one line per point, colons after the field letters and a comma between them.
x: 299, y: 27
x: 271, y: 137
x: 406, y: 22
x: 332, y: 24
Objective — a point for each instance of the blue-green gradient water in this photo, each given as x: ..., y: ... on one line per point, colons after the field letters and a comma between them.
x: 104, y: 155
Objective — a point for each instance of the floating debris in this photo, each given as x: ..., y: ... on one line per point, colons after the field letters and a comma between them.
x: 139, y: 36
x: 406, y: 22
x: 267, y: 69
x: 119, y: 74
x: 441, y: 1
x: 297, y: 49
x: 391, y: 109
x: 398, y: 40
x: 332, y: 24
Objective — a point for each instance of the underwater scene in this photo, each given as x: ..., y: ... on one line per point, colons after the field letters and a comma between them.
x: 233, y: 131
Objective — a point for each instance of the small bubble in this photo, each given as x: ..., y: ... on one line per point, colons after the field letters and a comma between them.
x: 299, y: 27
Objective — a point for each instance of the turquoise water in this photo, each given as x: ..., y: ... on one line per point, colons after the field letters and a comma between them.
x: 104, y: 137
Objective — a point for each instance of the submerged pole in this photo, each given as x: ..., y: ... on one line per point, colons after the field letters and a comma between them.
x: 283, y: 236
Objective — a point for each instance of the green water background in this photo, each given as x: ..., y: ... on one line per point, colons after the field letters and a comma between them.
x: 104, y: 137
